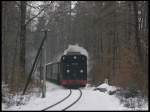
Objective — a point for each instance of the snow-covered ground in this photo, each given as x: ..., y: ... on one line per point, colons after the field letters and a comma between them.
x: 91, y: 99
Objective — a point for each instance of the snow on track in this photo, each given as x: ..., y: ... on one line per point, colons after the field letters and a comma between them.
x: 90, y: 100
x: 95, y: 100
x: 75, y: 95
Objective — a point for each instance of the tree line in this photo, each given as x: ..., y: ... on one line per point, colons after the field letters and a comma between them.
x: 115, y: 33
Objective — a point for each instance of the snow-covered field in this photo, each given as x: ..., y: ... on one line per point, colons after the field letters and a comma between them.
x: 90, y: 100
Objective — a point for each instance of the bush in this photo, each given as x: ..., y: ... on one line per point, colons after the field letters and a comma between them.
x: 130, y: 97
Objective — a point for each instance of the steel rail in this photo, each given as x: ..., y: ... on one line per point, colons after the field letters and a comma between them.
x: 74, y: 101
x: 58, y: 102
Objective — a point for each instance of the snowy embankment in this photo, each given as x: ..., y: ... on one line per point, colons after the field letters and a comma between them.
x: 91, y: 99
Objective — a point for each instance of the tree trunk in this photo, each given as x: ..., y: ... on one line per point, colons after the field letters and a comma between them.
x: 114, y: 55
x: 102, y: 53
x: 4, y: 44
x: 70, y: 23
x: 22, y: 37
x: 137, y: 38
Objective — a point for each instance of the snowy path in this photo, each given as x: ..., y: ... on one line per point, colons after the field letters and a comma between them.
x: 95, y: 100
x: 90, y: 100
x: 75, y: 94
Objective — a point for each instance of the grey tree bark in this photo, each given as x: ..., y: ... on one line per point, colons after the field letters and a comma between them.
x: 23, y: 37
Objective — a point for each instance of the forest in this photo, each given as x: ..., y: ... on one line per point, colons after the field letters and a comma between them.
x: 115, y: 34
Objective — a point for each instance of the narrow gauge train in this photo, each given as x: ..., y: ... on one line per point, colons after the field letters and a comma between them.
x: 70, y: 71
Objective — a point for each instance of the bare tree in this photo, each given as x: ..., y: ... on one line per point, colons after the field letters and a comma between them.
x: 137, y: 38
x: 22, y: 36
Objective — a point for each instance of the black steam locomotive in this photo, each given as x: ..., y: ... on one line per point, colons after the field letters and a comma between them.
x: 70, y: 71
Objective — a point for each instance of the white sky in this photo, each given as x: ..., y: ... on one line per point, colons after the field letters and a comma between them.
x: 36, y: 11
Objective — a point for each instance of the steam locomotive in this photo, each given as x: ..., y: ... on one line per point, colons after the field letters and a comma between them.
x: 70, y: 71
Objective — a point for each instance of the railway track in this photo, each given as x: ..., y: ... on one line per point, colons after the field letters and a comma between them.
x: 64, y: 100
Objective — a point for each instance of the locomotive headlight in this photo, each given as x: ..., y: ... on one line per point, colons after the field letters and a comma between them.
x: 75, y: 57
x: 81, y: 71
x: 68, y: 71
x: 63, y: 57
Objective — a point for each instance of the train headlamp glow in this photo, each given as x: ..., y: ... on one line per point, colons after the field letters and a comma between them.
x: 81, y: 71
x: 63, y: 58
x: 75, y: 57
x: 68, y: 71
